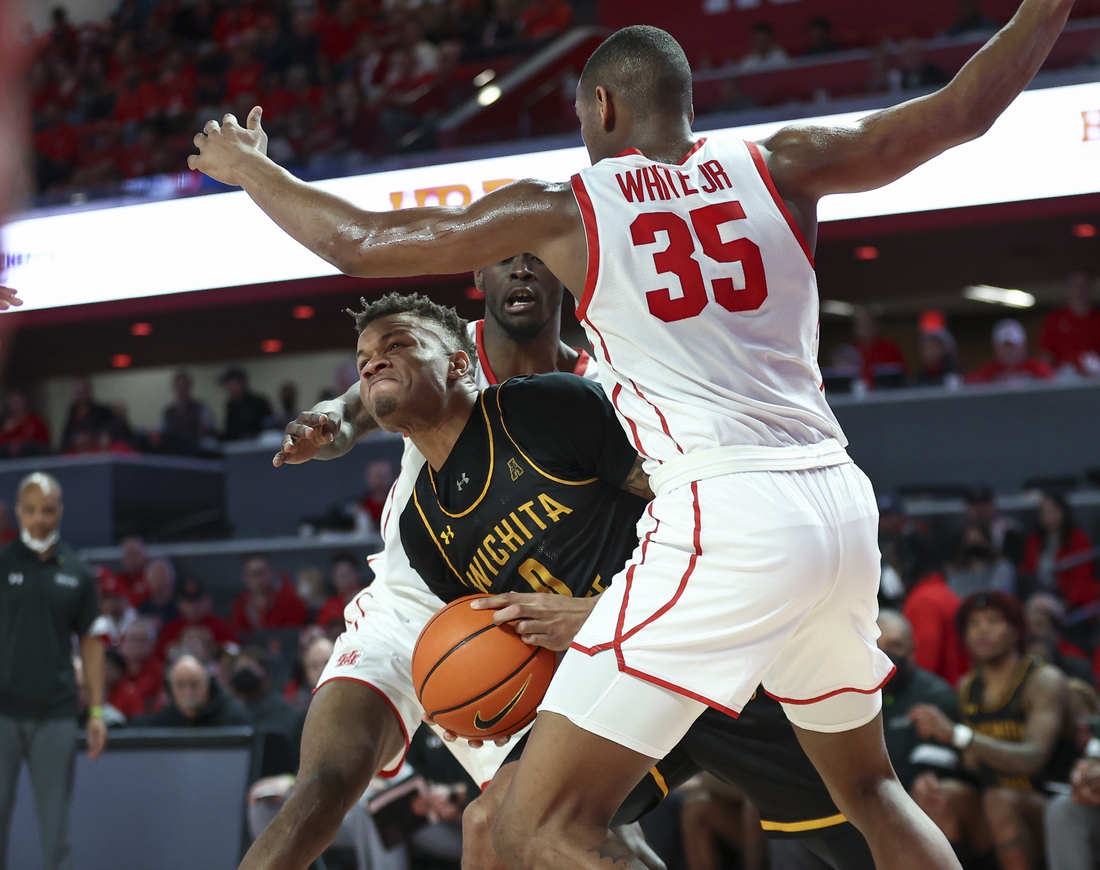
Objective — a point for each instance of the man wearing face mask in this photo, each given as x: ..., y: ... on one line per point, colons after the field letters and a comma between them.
x: 47, y: 594
x: 251, y: 684
x: 911, y: 685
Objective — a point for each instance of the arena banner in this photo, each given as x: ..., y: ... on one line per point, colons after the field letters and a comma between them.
x: 1046, y: 145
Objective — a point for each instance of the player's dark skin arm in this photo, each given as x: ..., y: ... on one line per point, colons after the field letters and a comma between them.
x: 328, y: 430
x: 807, y: 163
x: 1046, y: 699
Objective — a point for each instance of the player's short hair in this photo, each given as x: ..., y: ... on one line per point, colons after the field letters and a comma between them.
x: 644, y: 68
x: 455, y: 329
x: 1008, y: 606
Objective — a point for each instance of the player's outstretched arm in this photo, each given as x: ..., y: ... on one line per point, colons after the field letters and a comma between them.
x: 533, y: 216
x: 328, y: 430
x: 808, y: 162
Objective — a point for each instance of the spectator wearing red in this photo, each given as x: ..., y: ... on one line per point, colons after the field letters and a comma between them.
x: 137, y: 98
x: 232, y: 25
x: 1070, y: 338
x: 379, y: 479
x: 22, y: 432
x: 115, y: 612
x: 8, y: 531
x: 545, y: 18
x: 143, y: 676
x: 1011, y: 361
x: 1055, y: 553
x: 194, y: 606
x: 135, y: 562
x: 347, y: 581
x: 930, y: 607
x: 881, y: 358
x: 243, y: 76
x: 269, y: 601
x: 339, y: 32
x: 120, y: 694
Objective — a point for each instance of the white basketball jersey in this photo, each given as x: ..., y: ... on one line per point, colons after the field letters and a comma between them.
x: 701, y: 303
x: 396, y: 580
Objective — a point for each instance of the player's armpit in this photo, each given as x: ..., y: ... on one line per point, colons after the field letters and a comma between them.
x: 808, y: 162
x: 637, y: 482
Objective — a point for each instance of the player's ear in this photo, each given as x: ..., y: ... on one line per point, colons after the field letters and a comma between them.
x: 460, y: 365
x: 479, y: 280
x: 605, y: 108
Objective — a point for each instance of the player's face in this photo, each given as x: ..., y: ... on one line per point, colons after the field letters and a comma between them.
x: 39, y: 512
x: 405, y: 370
x: 989, y: 636
x: 521, y: 295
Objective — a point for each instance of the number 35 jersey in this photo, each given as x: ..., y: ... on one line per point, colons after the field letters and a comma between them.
x: 701, y: 298
x: 530, y: 498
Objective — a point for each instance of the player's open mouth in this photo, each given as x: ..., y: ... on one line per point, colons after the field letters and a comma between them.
x: 519, y: 300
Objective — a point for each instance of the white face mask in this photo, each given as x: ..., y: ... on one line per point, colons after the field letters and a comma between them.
x: 36, y: 545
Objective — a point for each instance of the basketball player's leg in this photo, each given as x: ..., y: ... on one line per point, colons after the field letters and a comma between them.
x: 351, y: 733
x: 1015, y: 820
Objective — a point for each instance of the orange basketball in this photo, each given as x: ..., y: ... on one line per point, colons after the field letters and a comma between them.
x: 476, y: 678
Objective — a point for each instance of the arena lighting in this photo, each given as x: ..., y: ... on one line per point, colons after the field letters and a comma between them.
x: 484, y: 77
x: 141, y: 329
x: 999, y: 296
x: 488, y: 96
x: 835, y: 306
x: 866, y: 252
x: 121, y: 361
x: 271, y: 345
x: 1084, y: 231
x: 302, y: 312
x: 1042, y: 147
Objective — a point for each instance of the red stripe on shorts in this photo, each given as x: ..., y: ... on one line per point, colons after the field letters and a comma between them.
x: 837, y: 692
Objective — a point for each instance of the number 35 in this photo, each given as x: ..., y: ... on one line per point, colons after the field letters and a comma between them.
x: 678, y: 259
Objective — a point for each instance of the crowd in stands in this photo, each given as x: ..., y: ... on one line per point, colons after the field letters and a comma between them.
x: 340, y: 81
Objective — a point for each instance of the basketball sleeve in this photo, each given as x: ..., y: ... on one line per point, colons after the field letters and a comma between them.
x: 567, y: 425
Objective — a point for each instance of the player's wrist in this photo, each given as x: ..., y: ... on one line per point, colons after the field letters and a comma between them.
x: 95, y: 712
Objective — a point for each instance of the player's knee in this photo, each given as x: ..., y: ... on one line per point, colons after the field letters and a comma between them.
x: 477, y: 836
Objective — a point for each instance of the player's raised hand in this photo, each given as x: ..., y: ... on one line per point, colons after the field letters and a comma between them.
x: 451, y: 737
x: 9, y: 298
x: 305, y: 436
x: 224, y: 147
x: 551, y: 621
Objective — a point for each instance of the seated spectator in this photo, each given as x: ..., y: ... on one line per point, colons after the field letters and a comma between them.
x: 313, y: 655
x: 1056, y: 554
x: 971, y: 20
x: 1016, y: 732
x: 134, y: 562
x: 821, y: 38
x: 85, y: 415
x: 911, y: 685
x: 194, y: 606
x: 1011, y: 362
x: 269, y: 600
x: 1070, y: 339
x: 22, y: 432
x: 916, y: 71
x: 120, y: 694
x: 765, y: 52
x: 195, y: 701
x: 1071, y: 822
x: 543, y: 19
x: 309, y: 582
x: 347, y: 581
x: 142, y: 669
x: 894, y: 524
x: 379, y: 478
x: 977, y: 568
x: 930, y: 606
x: 288, y: 403
x: 1046, y: 616
x: 115, y: 612
x: 250, y: 682
x: 160, y: 607
x: 939, y: 363
x: 883, y: 363
x: 185, y: 422
x: 246, y: 414
x: 1004, y: 532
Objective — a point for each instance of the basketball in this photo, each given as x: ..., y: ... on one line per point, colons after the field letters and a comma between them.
x: 476, y: 678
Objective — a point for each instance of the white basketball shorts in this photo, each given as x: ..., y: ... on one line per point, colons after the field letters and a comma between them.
x: 753, y: 578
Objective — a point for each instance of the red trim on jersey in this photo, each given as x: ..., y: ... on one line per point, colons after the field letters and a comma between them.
x: 766, y: 177
x: 385, y: 774
x: 619, y: 636
x: 482, y: 359
x: 698, y: 144
x: 633, y: 428
x: 837, y: 692
x: 583, y: 358
x: 592, y: 237
x: 630, y: 151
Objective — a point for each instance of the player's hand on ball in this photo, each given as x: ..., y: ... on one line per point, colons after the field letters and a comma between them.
x: 97, y: 737
x: 9, y: 299
x: 305, y: 436
x: 551, y: 621
x: 932, y: 722
x: 451, y: 737
x: 224, y: 147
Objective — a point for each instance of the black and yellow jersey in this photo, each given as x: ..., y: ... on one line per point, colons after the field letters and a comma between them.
x: 1006, y: 719
x: 530, y: 497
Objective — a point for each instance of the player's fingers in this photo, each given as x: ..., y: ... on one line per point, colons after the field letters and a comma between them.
x: 502, y: 741
x: 509, y: 613
x: 254, y: 118
x: 212, y: 126
x: 193, y: 161
x: 494, y: 602
x: 476, y: 744
x: 229, y: 118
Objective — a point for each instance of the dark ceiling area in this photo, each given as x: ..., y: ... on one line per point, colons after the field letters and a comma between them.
x: 922, y: 261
